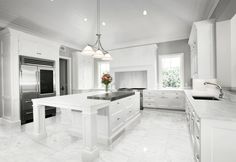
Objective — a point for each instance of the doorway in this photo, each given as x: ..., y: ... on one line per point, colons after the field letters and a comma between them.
x: 64, y: 77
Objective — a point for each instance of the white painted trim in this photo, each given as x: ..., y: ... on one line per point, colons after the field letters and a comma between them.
x: 9, y: 122
x: 181, y: 67
x: 215, y: 3
x: 69, y: 71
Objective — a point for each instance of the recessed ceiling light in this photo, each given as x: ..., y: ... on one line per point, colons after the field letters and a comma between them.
x: 85, y: 19
x: 51, y: 0
x: 144, y: 12
x: 103, y: 23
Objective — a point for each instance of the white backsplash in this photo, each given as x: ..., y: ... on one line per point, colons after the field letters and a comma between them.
x: 198, y: 85
x: 131, y: 79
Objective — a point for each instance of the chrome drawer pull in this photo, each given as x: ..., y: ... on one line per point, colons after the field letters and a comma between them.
x: 118, y: 118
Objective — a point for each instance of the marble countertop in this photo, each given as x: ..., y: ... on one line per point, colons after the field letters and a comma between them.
x: 208, y: 109
x: 112, y: 96
x: 74, y: 101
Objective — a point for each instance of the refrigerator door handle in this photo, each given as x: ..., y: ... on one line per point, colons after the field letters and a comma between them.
x: 38, y: 80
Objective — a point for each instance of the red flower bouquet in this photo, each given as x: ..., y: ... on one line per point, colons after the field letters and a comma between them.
x: 106, y: 79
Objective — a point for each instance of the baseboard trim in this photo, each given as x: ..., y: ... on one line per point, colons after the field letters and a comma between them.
x: 9, y: 122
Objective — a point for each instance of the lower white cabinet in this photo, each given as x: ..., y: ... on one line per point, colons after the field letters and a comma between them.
x: 120, y: 114
x: 212, y: 140
x: 166, y: 99
x: 194, y: 129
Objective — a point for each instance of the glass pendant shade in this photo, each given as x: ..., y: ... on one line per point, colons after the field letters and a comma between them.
x: 88, y: 50
x: 107, y: 57
x: 98, y: 54
x: 97, y: 50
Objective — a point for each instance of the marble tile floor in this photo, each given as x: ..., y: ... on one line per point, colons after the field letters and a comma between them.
x: 160, y: 136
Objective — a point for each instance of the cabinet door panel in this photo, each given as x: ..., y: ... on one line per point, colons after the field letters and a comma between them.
x: 27, y: 47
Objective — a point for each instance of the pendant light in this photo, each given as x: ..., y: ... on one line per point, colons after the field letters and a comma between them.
x: 97, y: 50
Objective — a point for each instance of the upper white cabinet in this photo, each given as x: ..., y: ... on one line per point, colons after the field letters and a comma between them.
x: 226, y: 50
x: 83, y: 72
x: 202, y: 44
x: 36, y: 47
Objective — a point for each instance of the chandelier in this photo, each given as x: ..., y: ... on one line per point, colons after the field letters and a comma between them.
x: 96, y: 50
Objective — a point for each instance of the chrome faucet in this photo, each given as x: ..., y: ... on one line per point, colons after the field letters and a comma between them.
x: 217, y: 86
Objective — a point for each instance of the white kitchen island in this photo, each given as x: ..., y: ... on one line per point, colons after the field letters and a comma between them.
x: 89, y: 108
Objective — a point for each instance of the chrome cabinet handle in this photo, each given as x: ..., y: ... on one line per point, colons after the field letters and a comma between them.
x: 118, y: 118
x: 28, y: 101
x: 38, y: 53
x: 27, y: 113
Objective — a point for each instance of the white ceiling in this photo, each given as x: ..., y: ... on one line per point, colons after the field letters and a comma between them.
x: 126, y: 26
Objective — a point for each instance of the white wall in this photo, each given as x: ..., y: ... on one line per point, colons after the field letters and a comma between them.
x: 225, y: 10
x: 136, y: 59
x: 179, y: 46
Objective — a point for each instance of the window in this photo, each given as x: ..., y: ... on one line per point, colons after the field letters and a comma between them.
x: 103, y: 67
x: 171, y: 70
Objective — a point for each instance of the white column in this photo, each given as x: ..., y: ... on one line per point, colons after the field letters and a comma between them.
x: 39, y: 120
x: 90, y: 151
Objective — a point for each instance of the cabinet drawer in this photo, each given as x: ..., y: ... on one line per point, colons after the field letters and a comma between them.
x: 117, y: 120
x: 148, y: 99
x: 128, y: 101
x: 149, y: 104
x: 129, y: 112
x: 116, y: 106
x: 149, y: 94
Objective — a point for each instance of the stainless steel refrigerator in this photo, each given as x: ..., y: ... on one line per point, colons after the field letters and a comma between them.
x: 37, y: 80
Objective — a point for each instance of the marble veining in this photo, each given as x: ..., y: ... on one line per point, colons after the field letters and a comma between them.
x: 223, y: 109
x: 161, y: 136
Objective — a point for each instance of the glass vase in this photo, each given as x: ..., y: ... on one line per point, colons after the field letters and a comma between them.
x: 106, y: 88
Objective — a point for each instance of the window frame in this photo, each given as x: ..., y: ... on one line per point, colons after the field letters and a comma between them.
x: 160, y: 57
x: 99, y: 84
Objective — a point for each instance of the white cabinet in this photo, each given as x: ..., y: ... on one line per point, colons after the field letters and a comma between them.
x: 121, y: 113
x: 14, y: 43
x: 194, y: 129
x: 166, y: 99
x: 202, y: 44
x: 35, y: 47
x: 225, y: 50
x: 83, y: 72
x: 213, y: 140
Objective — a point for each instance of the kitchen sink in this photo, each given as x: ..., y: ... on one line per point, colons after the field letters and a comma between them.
x: 205, y: 98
